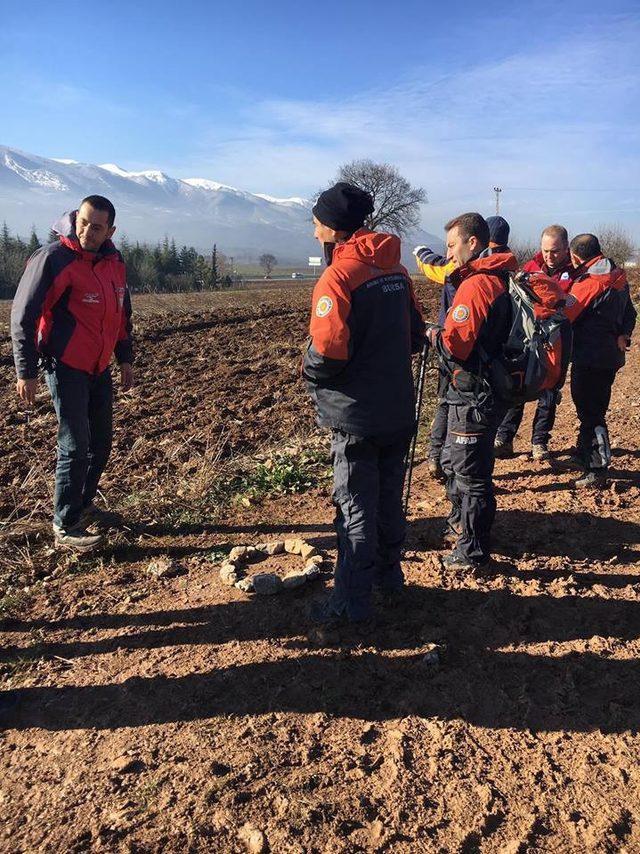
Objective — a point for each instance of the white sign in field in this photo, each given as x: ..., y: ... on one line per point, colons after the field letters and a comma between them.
x: 315, y: 261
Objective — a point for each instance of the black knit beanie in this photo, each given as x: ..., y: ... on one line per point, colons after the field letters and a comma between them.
x: 498, y: 230
x: 343, y: 207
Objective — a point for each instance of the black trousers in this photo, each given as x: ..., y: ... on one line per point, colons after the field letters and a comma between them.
x: 440, y: 419
x: 591, y: 393
x: 543, y: 420
x: 368, y: 479
x: 468, y: 461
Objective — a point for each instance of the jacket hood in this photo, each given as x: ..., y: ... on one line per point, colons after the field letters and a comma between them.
x: 491, y: 262
x: 374, y: 248
x: 605, y: 270
x: 65, y: 228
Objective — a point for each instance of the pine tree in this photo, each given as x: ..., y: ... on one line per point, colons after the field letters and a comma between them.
x: 33, y: 244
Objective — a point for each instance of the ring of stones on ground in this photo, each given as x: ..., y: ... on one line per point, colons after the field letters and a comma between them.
x: 232, y: 571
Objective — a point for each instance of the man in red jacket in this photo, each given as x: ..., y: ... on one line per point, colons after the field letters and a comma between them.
x: 71, y: 312
x: 365, y: 324
x: 475, y: 330
x: 554, y: 261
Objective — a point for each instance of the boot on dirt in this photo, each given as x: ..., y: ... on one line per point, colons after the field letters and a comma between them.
x: 592, y: 480
x: 456, y: 560
x: 503, y: 448
x: 331, y: 624
x: 540, y: 451
x: 78, y: 538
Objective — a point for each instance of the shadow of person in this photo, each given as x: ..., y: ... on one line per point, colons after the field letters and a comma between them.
x: 577, y: 688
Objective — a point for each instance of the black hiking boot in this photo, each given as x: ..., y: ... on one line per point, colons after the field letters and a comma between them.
x: 330, y: 624
x: 456, y: 560
x: 592, y: 480
x: 503, y: 449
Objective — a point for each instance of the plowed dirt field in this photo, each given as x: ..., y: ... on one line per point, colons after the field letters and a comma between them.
x: 146, y: 714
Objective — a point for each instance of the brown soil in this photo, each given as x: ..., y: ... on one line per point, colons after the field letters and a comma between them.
x: 178, y: 714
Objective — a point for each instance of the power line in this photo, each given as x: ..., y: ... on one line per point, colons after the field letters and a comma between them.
x: 575, y: 189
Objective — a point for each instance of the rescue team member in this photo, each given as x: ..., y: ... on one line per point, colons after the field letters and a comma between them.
x: 553, y: 260
x: 71, y: 311
x: 365, y: 324
x: 476, y: 328
x: 603, y: 317
x: 438, y: 269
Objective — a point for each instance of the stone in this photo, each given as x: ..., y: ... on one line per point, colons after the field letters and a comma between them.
x: 228, y: 574
x: 267, y: 583
x: 274, y: 548
x: 293, y: 547
x: 163, y: 567
x: 253, y: 838
x: 245, y: 584
x: 315, y: 559
x: 308, y: 551
x: 294, y: 579
x: 312, y: 570
x: 238, y: 553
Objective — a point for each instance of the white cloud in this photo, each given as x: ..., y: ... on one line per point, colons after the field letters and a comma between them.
x: 563, y: 115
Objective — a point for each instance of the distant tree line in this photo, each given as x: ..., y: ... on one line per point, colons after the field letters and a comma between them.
x: 159, y: 268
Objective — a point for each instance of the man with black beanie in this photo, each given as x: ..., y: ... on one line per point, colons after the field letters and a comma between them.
x: 365, y: 324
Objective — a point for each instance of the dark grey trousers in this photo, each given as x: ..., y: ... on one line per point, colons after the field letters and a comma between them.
x: 368, y: 477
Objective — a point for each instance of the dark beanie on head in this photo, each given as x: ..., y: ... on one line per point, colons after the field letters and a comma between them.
x: 498, y: 230
x: 343, y: 207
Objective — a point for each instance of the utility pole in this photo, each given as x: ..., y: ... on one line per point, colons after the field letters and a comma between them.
x: 497, y: 191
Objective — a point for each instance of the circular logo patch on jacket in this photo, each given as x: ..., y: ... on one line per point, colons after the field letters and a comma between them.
x: 324, y: 306
x: 461, y: 313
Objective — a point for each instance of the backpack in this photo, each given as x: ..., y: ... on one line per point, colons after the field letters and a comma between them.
x: 535, y: 356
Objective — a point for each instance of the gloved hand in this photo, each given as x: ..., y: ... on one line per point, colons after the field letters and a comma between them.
x: 431, y: 333
x: 422, y: 251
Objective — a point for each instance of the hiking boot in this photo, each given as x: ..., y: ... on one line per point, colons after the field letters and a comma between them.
x: 94, y: 515
x: 503, y: 448
x: 592, y: 480
x: 456, y: 560
x: 77, y: 538
x: 331, y: 623
x: 540, y: 451
x: 435, y: 470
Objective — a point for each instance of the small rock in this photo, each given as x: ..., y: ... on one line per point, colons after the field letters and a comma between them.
x: 228, y: 574
x: 253, y: 838
x: 294, y: 579
x: 238, y: 553
x: 163, y: 567
x: 267, y: 583
x: 245, y: 584
x: 312, y: 570
x: 308, y: 550
x: 274, y: 548
x: 293, y: 547
x: 318, y: 560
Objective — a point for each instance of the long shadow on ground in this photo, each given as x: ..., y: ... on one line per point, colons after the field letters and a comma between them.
x: 477, y: 681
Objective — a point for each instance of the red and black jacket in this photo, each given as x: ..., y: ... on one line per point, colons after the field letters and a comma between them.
x: 72, y: 305
x: 599, y: 307
x: 563, y: 275
x: 478, y: 323
x: 365, y: 323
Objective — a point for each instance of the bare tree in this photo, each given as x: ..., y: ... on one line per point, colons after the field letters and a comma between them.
x: 396, y: 202
x: 524, y: 250
x: 616, y: 243
x: 268, y: 262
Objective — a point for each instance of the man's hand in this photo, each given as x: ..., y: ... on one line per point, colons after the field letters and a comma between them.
x: 624, y: 343
x: 421, y: 250
x: 27, y: 390
x: 431, y: 333
x: 126, y: 376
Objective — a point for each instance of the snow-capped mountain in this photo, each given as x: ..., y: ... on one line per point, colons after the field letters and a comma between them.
x: 150, y: 204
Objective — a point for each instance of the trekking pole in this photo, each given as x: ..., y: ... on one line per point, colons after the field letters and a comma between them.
x: 408, y: 465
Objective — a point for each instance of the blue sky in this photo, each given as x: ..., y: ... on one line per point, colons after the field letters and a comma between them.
x: 539, y: 98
